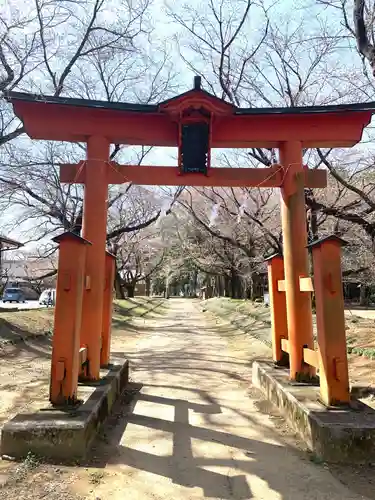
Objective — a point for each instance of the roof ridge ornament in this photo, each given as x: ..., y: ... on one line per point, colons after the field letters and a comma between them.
x: 197, y: 82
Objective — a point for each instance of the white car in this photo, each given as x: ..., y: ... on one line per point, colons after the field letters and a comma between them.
x: 48, y: 297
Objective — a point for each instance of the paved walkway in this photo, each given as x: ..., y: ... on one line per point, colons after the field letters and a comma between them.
x: 194, y: 432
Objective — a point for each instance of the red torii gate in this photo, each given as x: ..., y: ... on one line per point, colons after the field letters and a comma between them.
x: 195, y: 122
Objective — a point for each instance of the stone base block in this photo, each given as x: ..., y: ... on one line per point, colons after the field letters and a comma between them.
x: 65, y: 434
x: 340, y: 434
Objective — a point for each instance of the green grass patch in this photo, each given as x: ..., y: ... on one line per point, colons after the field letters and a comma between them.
x: 367, y: 352
x: 252, y: 318
x: 16, y: 326
x: 138, y: 307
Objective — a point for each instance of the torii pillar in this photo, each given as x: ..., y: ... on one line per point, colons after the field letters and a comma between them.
x: 95, y: 210
x: 296, y: 258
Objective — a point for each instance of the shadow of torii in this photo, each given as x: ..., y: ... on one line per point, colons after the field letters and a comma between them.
x: 182, y: 467
x: 261, y: 459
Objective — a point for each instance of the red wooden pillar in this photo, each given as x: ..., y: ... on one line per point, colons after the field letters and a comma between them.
x: 107, y: 309
x: 94, y: 230
x: 330, y: 317
x: 278, y: 308
x: 293, y: 216
x: 66, y: 334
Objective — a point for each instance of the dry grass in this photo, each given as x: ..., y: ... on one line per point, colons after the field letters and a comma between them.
x: 21, y: 325
x: 16, y: 326
x: 254, y: 319
x: 138, y: 307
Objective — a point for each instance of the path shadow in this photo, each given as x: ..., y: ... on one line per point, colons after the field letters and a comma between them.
x: 183, y: 467
x: 190, y: 363
x: 228, y: 331
x: 39, y: 346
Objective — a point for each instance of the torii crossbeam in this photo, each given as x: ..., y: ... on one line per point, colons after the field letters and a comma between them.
x: 271, y: 177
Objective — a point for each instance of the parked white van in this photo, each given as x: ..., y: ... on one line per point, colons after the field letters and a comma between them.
x: 48, y: 297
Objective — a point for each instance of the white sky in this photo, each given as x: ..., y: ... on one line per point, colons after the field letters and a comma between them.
x: 289, y: 10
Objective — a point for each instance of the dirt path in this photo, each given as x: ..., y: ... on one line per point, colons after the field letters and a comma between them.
x: 195, y: 428
x: 193, y: 431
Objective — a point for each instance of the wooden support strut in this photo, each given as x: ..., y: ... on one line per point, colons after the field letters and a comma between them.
x: 310, y: 357
x: 279, y: 324
x: 330, y: 317
x: 285, y: 345
x: 305, y: 285
x: 65, y: 363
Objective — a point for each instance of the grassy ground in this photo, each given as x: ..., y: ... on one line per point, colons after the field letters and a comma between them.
x: 19, y: 325
x: 138, y: 307
x: 26, y: 345
x: 254, y: 319
x: 16, y: 326
x: 249, y: 317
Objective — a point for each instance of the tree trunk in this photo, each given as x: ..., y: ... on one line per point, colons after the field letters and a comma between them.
x: 233, y: 285
x: 241, y: 288
x: 130, y: 291
x: 227, y: 286
x: 251, y: 288
x: 221, y: 286
x: 148, y: 286
x: 215, y: 288
x: 362, y: 296
x: 312, y: 233
x: 167, y: 287
x: 118, y: 286
x: 237, y: 286
x: 194, y: 283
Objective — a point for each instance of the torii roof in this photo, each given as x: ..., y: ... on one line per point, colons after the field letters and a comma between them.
x: 73, y: 120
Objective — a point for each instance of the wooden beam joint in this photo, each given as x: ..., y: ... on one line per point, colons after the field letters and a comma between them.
x: 306, y: 284
x: 281, y: 285
x: 285, y: 345
x: 310, y: 357
x: 82, y: 356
